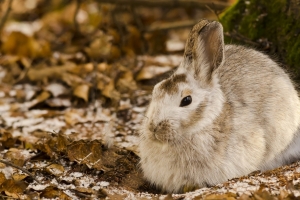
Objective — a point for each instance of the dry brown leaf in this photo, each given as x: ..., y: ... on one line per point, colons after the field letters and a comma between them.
x: 150, y: 72
x: 6, y: 139
x: 19, y: 177
x: 83, y: 69
x: 15, y: 156
x: 18, y: 43
x: 55, y: 169
x: 89, y: 153
x: 72, y: 117
x: 71, y: 79
x: 102, y: 48
x: 8, y: 59
x: 126, y: 82
x: 38, y: 74
x: 13, y: 187
x: 263, y: 195
x: 82, y: 91
x: 52, y: 145
x: 43, y: 96
x: 134, y: 41
x: 53, y: 193
x: 227, y: 196
x: 2, y: 178
x: 244, y: 197
x: 62, y: 142
x: 103, y: 67
x: 109, y: 90
x: 84, y: 190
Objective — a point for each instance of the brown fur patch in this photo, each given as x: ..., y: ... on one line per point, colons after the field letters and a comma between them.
x: 223, y: 127
x: 196, y: 116
x: 170, y: 85
x: 186, y: 92
x: 189, y: 47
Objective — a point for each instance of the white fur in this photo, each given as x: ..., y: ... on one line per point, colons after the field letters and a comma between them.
x: 250, y: 99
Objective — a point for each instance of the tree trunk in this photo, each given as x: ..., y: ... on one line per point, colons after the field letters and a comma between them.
x: 272, y: 26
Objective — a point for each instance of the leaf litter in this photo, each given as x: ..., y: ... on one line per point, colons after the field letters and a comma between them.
x: 73, y: 95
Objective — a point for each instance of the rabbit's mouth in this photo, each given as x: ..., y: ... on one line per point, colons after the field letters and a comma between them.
x: 163, y: 137
x: 162, y: 131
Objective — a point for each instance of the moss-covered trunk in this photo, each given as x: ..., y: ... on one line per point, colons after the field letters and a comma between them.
x: 268, y: 25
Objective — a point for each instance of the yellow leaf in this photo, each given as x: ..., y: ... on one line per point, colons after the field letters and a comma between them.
x: 82, y: 91
x: 55, y: 169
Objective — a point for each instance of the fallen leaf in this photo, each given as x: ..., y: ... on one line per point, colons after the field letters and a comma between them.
x: 2, y: 178
x: 102, y: 48
x: 15, y: 156
x: 19, y: 177
x: 39, y: 74
x: 84, y: 190
x: 13, y: 187
x: 126, y: 82
x: 82, y: 91
x: 42, y: 97
x: 89, y: 153
x: 109, y: 90
x: 55, y: 169
x: 18, y: 43
x: 72, y: 117
x: 72, y: 80
x: 54, y: 193
x: 150, y: 72
x: 226, y: 196
x: 6, y: 139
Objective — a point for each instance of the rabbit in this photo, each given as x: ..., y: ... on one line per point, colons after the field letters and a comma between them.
x: 226, y: 111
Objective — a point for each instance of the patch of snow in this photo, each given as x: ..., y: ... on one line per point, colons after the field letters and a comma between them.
x: 56, y: 89
x: 12, y: 93
x: 27, y: 28
x: 27, y: 122
x: 7, y: 171
x: 4, y: 108
x: 103, y: 184
x: 37, y: 187
x: 71, y: 194
x: 139, y: 109
x: 76, y: 174
x: 174, y: 45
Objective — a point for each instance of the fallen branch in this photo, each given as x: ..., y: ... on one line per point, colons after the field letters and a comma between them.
x: 20, y: 168
x: 218, y: 5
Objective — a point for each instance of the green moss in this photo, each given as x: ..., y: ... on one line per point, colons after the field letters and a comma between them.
x: 265, y: 20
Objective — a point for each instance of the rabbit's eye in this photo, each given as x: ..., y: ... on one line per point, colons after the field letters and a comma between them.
x: 186, y: 101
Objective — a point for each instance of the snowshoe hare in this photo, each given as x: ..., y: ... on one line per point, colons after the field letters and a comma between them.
x: 226, y: 111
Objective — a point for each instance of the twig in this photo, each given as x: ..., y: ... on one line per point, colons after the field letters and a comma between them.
x: 171, y: 25
x: 213, y: 11
x: 219, y: 5
x: 20, y: 168
x: 5, y: 16
x: 76, y: 25
x: 239, y: 37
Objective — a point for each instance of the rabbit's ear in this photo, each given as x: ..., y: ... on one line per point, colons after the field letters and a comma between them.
x: 204, y: 51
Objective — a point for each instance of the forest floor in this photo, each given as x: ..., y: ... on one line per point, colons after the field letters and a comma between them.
x: 75, y: 82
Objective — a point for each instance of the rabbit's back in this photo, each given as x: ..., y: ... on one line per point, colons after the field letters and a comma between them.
x: 262, y: 97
